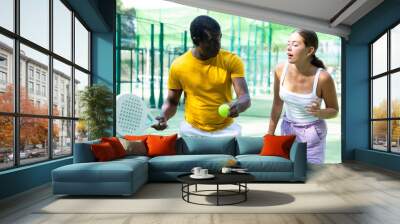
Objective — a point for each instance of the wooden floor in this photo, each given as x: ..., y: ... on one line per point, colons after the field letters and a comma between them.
x: 378, y: 189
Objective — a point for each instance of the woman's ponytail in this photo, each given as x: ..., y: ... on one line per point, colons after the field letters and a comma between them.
x: 317, y: 62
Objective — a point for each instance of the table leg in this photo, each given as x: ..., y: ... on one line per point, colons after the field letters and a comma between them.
x: 245, y: 191
x: 182, y: 190
x: 188, y: 190
x: 217, y: 194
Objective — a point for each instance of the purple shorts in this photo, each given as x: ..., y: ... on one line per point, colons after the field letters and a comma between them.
x: 313, y: 133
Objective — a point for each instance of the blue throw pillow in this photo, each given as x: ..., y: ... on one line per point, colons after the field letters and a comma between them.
x: 83, y: 152
x: 195, y: 145
x: 249, y: 145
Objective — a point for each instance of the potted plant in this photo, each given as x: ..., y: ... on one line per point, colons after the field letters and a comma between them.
x: 96, y: 102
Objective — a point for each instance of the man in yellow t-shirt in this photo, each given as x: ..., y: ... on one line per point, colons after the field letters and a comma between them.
x: 206, y: 74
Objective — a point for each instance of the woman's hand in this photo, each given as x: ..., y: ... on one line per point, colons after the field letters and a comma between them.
x: 314, y: 108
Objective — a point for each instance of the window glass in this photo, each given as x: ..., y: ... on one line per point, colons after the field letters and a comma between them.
x: 81, y: 45
x: 39, y: 62
x: 34, y: 21
x: 379, y: 56
x: 379, y: 98
x: 62, y: 29
x: 7, y: 14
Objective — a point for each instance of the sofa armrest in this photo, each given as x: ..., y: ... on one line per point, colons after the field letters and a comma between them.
x: 298, y: 155
x: 83, y: 152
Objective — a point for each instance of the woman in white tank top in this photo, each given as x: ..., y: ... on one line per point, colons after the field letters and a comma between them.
x: 300, y: 86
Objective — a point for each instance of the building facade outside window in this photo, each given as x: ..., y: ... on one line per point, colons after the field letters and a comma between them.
x: 3, y: 78
x: 30, y: 88
x: 3, y: 61
x: 34, y: 84
x: 3, y: 71
x: 30, y: 72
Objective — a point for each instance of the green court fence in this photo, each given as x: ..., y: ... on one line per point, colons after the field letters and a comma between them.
x: 147, y: 43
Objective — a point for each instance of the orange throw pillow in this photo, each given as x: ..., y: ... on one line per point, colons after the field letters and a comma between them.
x: 161, y: 145
x: 103, y: 152
x: 277, y: 145
x: 116, y: 145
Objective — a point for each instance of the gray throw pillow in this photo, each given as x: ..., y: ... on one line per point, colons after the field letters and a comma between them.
x: 137, y: 147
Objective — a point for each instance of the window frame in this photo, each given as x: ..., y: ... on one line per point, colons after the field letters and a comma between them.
x: 388, y: 74
x: 16, y: 114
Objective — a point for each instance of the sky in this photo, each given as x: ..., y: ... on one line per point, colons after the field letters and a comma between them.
x: 35, y: 27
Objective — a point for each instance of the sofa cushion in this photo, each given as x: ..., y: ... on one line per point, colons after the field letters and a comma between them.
x: 196, y: 145
x: 93, y: 172
x: 112, y: 171
x: 83, y: 152
x: 136, y: 137
x: 277, y: 145
x: 257, y: 163
x: 129, y: 159
x: 116, y: 145
x: 249, y: 145
x: 161, y: 145
x: 134, y: 147
x: 185, y: 163
x: 103, y: 151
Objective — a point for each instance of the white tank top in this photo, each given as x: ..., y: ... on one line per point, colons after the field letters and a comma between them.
x: 295, y: 103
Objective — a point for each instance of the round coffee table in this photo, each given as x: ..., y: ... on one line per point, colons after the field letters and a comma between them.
x: 238, y: 179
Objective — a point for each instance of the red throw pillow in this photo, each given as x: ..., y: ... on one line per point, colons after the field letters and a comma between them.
x: 116, y: 145
x: 103, y: 151
x: 161, y: 145
x: 277, y: 145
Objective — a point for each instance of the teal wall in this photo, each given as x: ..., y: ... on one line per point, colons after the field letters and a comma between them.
x: 99, y: 16
x: 380, y: 159
x: 103, y: 66
x: 356, y: 84
x: 102, y: 58
x: 24, y: 178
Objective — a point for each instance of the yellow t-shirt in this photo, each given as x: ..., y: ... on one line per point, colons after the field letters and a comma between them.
x: 206, y: 85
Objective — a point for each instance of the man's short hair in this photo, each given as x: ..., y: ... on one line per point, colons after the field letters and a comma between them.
x: 198, y: 27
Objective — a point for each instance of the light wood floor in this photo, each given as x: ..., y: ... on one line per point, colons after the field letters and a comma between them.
x: 377, y: 188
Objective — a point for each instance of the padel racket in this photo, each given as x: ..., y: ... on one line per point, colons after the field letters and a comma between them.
x: 133, y: 115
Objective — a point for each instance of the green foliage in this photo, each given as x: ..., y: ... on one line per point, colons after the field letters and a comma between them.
x: 120, y: 5
x: 380, y: 111
x: 124, y: 10
x: 97, y: 102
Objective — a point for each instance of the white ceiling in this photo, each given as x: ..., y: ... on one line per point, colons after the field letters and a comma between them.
x: 325, y: 16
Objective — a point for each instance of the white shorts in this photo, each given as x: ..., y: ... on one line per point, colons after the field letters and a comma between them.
x: 186, y: 129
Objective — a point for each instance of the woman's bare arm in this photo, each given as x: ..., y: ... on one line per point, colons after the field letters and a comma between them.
x: 277, y: 104
x: 329, y: 96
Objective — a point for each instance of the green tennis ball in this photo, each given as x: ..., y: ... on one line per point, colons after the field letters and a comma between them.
x: 223, y: 110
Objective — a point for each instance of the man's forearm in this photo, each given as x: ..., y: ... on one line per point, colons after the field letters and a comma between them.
x: 168, y: 110
x: 243, y: 103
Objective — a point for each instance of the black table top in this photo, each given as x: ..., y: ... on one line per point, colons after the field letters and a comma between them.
x: 220, y: 178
